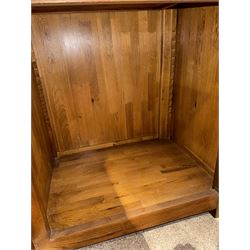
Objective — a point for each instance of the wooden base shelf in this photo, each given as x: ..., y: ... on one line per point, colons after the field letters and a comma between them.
x: 102, y: 194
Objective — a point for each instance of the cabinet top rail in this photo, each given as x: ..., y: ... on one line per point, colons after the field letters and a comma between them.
x: 87, y: 3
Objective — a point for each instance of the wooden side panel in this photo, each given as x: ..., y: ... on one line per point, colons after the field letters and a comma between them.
x: 196, y: 83
x: 41, y: 150
x: 42, y: 103
x: 167, y: 74
x: 42, y: 158
x: 40, y: 227
x: 101, y: 74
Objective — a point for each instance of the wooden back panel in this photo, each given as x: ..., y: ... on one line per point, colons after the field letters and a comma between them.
x: 196, y: 83
x: 100, y: 73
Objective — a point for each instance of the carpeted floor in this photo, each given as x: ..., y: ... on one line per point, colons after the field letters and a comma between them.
x: 198, y: 232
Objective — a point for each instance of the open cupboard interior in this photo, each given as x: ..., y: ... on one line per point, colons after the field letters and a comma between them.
x: 124, y: 117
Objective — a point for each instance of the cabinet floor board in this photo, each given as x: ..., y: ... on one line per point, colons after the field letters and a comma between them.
x: 111, y: 189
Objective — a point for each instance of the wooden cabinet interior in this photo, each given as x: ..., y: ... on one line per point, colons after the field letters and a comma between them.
x: 124, y: 117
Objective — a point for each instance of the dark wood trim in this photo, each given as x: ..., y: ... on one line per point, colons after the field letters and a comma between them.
x: 112, y: 2
x: 216, y: 175
x: 80, y: 8
x: 215, y: 212
x: 196, y: 5
x: 81, y: 5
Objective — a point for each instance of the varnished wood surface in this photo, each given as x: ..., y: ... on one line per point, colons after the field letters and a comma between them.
x: 109, y: 181
x: 94, y: 193
x: 36, y: 3
x: 196, y: 83
x: 169, y: 19
x: 41, y: 105
x: 40, y: 227
x: 101, y: 74
x: 105, y: 145
x: 138, y: 220
x: 42, y: 158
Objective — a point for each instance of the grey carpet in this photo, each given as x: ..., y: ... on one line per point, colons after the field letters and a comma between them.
x: 195, y: 233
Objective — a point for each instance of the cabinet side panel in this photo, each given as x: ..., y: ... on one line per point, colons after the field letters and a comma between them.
x: 42, y: 160
x: 196, y: 83
x: 42, y: 156
x: 101, y: 74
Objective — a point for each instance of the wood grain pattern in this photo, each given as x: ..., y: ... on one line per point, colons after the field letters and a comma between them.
x: 196, y: 83
x: 138, y: 220
x: 105, y: 145
x: 109, y: 192
x: 42, y: 160
x: 105, y: 182
x: 167, y: 74
x: 40, y: 227
x: 101, y: 74
x: 41, y: 104
x: 104, y: 79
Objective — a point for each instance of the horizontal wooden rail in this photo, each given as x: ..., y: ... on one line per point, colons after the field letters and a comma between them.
x: 50, y: 3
